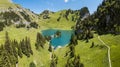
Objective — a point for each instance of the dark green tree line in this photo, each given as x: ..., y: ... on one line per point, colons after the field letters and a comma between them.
x: 106, y: 18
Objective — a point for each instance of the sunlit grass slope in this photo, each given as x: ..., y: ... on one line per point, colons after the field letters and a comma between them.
x: 90, y: 57
x: 41, y: 57
x: 6, y: 4
x: 114, y: 42
x: 53, y: 23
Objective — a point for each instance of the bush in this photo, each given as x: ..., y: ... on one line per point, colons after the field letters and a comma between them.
x: 32, y: 64
x: 92, y: 45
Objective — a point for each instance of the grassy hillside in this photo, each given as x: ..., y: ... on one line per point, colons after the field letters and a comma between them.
x: 19, y: 34
x: 4, y: 2
x: 14, y: 14
x: 92, y: 57
x: 63, y: 23
x: 96, y: 56
x: 114, y: 42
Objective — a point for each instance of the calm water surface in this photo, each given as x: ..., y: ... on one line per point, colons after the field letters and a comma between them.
x: 58, y: 41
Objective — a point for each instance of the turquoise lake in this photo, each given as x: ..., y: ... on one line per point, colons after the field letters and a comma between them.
x: 58, y: 41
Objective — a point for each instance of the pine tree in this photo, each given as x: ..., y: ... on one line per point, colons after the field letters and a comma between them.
x: 20, y: 51
x: 73, y: 39
x: 54, y: 60
x: 30, y: 49
x: 27, y: 46
x: 92, y: 45
x: 15, y: 48
x: 50, y: 48
x: 40, y: 41
x: 9, y: 51
x: 72, y: 50
x: 75, y: 62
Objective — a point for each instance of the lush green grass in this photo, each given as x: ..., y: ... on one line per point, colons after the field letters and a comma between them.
x: 39, y: 57
x: 4, y: 1
x: 4, y: 4
x: 114, y: 42
x: 53, y: 23
x: 90, y: 57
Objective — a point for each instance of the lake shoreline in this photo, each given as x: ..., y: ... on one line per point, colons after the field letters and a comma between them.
x: 58, y: 42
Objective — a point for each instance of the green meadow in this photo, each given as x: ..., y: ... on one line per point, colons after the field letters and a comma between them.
x: 97, y: 56
x: 114, y: 42
x: 91, y: 57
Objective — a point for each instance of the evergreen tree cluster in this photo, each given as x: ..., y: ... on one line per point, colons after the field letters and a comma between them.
x: 40, y: 41
x: 72, y: 50
x: 54, y: 60
x: 73, y: 39
x: 72, y: 44
x: 10, y: 17
x: 25, y: 46
x: 2, y: 25
x: 50, y: 48
x: 84, y: 26
x: 7, y: 18
x: 34, y: 25
x: 11, y: 50
x: 26, y: 17
x: 45, y: 14
x: 84, y: 29
x: 106, y: 18
x: 75, y: 62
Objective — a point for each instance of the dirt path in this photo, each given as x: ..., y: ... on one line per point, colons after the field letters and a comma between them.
x: 17, y: 65
x: 108, y: 51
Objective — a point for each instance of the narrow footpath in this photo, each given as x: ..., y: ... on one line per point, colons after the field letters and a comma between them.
x: 108, y: 51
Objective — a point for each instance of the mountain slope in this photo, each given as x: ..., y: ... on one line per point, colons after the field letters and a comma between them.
x: 4, y: 2
x: 15, y: 14
x: 61, y: 19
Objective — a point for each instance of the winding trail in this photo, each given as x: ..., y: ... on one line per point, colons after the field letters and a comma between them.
x: 108, y: 51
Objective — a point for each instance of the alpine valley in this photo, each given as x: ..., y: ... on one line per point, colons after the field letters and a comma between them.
x: 64, y: 38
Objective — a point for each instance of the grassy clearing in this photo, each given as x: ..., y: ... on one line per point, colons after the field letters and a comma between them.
x: 114, y: 42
